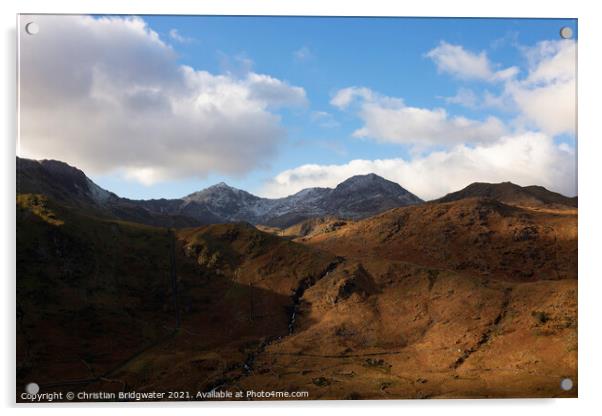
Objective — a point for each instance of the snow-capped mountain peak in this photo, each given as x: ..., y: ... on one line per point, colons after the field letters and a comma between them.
x: 357, y: 197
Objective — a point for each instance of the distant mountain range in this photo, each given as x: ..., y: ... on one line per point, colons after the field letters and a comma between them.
x: 357, y: 197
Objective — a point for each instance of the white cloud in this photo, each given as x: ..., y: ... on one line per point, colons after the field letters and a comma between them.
x: 459, y: 62
x: 107, y: 95
x: 527, y: 159
x: 175, y: 35
x: 303, y: 54
x: 464, y: 97
x: 388, y: 119
x: 324, y: 119
x: 274, y: 92
x: 546, y: 98
x: 345, y: 96
x: 146, y: 176
x: 509, y: 39
x: 238, y: 65
x: 498, y: 102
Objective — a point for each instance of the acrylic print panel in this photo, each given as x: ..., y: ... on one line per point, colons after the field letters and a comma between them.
x: 298, y: 208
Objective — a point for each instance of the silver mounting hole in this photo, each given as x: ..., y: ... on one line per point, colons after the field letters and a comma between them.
x: 566, y: 384
x: 566, y: 32
x: 32, y: 28
x: 32, y: 388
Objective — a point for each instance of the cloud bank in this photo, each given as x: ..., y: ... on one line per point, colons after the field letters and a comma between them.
x: 108, y: 95
x: 526, y: 159
x: 488, y: 150
x: 544, y: 98
x: 388, y: 119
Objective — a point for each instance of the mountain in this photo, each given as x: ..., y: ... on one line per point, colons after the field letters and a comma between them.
x: 436, y: 300
x: 72, y: 188
x: 462, y: 299
x: 364, y: 195
x: 61, y: 182
x: 357, y: 197
x: 96, y: 295
x: 512, y: 194
x: 477, y: 236
x: 471, y: 298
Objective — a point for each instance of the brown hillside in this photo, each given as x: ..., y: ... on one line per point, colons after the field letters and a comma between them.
x: 96, y: 308
x: 307, y: 227
x: 512, y: 194
x: 473, y: 298
x: 390, y: 330
x: 479, y: 236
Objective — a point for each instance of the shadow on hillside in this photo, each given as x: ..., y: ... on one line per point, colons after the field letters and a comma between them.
x: 95, y: 297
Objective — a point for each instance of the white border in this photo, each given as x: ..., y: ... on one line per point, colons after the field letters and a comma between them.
x: 590, y: 239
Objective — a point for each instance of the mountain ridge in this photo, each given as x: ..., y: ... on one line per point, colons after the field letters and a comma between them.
x: 511, y: 193
x: 356, y: 197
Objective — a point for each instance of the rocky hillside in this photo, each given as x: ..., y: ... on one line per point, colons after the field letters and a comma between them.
x: 471, y: 298
x: 98, y: 304
x: 61, y: 182
x: 512, y: 194
x: 357, y: 197
x: 70, y: 186
x: 482, y: 237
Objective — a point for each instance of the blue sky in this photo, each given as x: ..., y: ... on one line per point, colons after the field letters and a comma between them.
x: 388, y: 59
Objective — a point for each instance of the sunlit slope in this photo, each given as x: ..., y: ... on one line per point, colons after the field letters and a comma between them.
x: 472, y: 298
x: 477, y: 236
x: 380, y: 329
